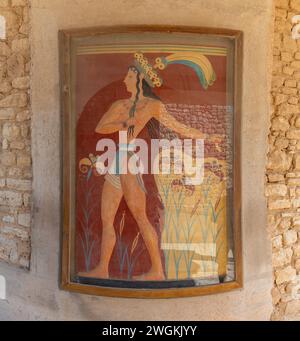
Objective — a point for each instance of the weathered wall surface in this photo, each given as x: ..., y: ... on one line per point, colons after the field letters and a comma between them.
x: 283, y: 169
x: 35, y: 294
x: 15, y: 143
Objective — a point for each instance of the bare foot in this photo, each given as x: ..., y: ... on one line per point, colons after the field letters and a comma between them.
x: 96, y: 273
x: 150, y: 276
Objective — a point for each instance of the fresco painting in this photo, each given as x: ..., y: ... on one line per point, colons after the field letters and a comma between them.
x: 153, y: 227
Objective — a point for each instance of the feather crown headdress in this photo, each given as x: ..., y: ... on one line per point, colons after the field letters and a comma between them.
x: 198, y: 62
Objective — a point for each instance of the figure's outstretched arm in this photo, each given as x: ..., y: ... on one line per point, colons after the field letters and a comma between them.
x: 111, y: 121
x: 164, y: 117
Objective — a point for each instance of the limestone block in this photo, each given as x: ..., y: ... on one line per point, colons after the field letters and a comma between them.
x: 275, y: 177
x: 293, y: 100
x: 2, y: 171
x: 297, y: 122
x: 5, y: 144
x: 7, y: 114
x: 296, y: 222
x: 282, y: 3
x: 282, y: 257
x: 276, y: 296
x: 27, y: 199
x: 18, y: 184
x: 281, y: 13
x: 24, y: 29
x: 21, y: 46
x: 280, y: 98
x: 26, y: 14
x: 290, y: 83
x: 7, y: 158
x: 288, y: 70
x: 277, y: 82
x: 290, y: 237
x: 4, y: 3
x: 2, y: 69
x: 288, y: 109
x: 286, y: 56
x: 277, y: 242
x: 295, y: 64
x: 5, y: 87
x: 293, y: 134
x: 15, y: 100
x: 289, y: 91
x: 277, y: 40
x: 296, y: 161
x: 285, y: 275
x: 293, y: 309
x: 297, y: 265
x: 24, y: 130
x: 23, y: 116
x: 296, y: 203
x: 11, y: 198
x: 15, y: 66
x: 279, y: 204
x: 24, y: 219
x: 24, y: 161
x: 289, y: 44
x: 9, y: 219
x: 4, y: 49
x: 295, y: 5
x: 281, y: 143
x: 276, y: 190
x: 21, y: 82
x: 279, y: 161
x: 10, y: 131
x: 296, y: 249
x: 18, y: 232
x: 293, y: 289
x: 296, y: 75
x: 16, y: 3
x: 15, y: 172
x: 293, y: 182
x: 19, y: 145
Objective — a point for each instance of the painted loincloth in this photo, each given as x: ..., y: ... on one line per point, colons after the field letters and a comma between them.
x: 113, y: 176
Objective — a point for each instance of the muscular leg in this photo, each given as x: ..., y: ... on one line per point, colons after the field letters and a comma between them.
x: 136, y: 201
x: 110, y: 201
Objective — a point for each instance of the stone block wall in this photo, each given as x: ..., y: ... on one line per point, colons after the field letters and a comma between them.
x: 15, y: 141
x: 283, y: 167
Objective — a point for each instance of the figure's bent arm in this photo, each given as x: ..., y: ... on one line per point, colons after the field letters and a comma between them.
x: 111, y: 121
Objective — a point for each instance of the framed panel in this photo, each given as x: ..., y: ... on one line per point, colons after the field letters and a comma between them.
x: 151, y: 161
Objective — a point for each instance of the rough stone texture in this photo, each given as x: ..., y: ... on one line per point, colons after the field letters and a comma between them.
x: 36, y: 295
x: 284, y: 164
x: 15, y: 213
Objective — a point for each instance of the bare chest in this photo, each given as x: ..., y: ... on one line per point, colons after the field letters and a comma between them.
x: 142, y: 112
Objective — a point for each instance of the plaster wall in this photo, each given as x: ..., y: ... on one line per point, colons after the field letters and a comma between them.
x: 35, y: 294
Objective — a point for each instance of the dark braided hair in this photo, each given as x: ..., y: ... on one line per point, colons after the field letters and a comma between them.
x: 152, y: 125
x: 138, y: 76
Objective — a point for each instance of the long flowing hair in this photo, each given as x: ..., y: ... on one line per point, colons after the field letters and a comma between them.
x: 152, y: 125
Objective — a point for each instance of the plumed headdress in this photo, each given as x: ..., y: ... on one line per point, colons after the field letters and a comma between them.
x: 198, y: 62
